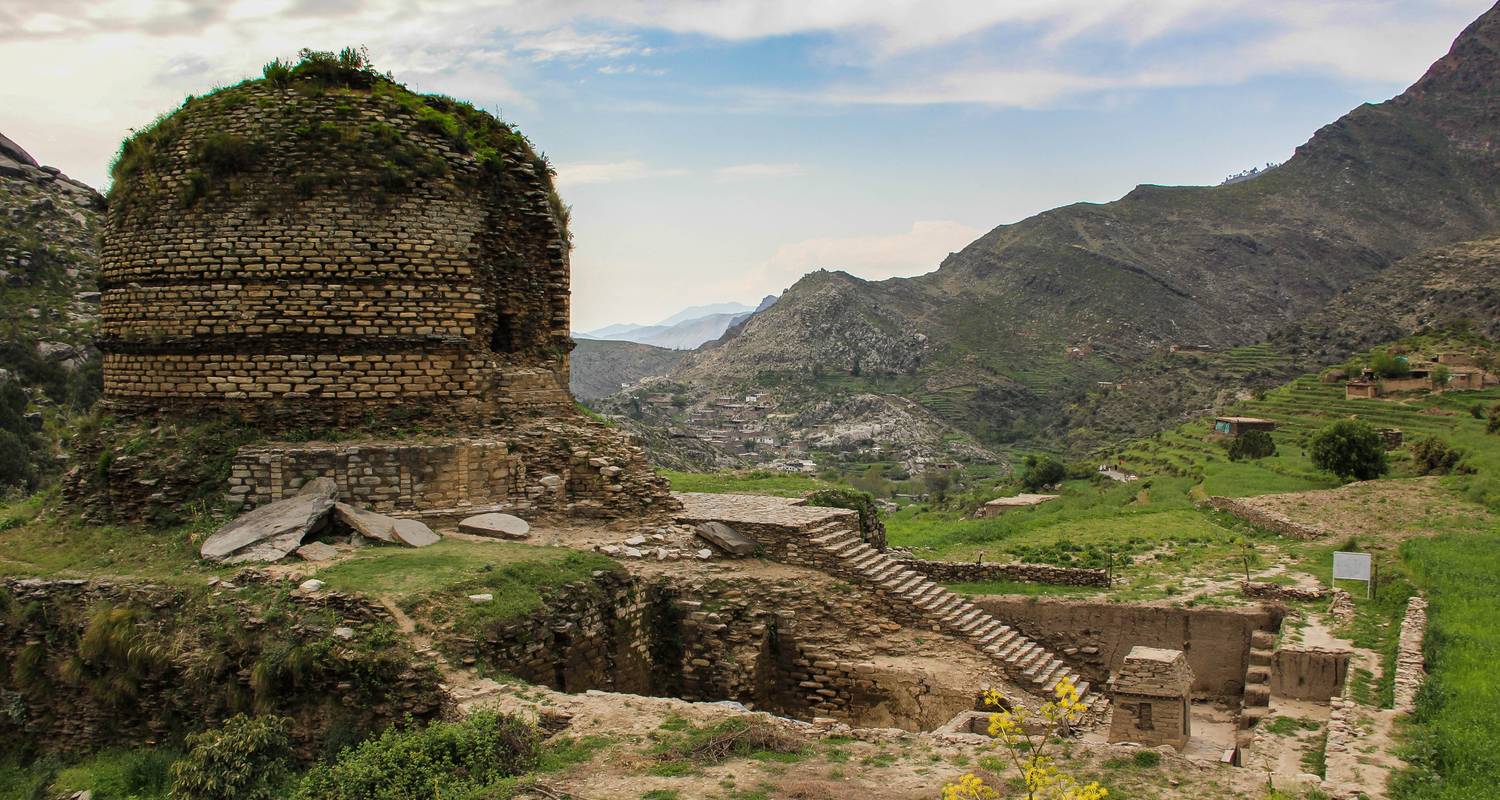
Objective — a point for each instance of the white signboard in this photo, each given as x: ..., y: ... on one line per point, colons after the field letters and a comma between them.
x: 1352, y: 567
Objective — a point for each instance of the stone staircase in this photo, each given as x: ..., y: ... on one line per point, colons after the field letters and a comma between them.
x: 1257, y: 700
x: 1023, y: 661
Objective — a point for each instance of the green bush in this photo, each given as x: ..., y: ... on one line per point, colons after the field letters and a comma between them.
x: 143, y: 774
x: 1433, y: 456
x: 1349, y: 449
x: 225, y: 154
x: 1040, y: 471
x: 246, y: 758
x: 1252, y: 445
x: 1387, y: 365
x: 1146, y: 759
x: 869, y: 513
x: 445, y: 759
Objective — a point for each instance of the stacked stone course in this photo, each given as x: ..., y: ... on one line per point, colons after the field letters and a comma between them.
x: 339, y: 303
x: 303, y: 288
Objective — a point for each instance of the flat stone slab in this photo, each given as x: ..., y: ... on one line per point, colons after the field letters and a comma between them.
x: 415, y: 533
x: 270, y: 532
x: 317, y: 551
x: 497, y: 525
x: 726, y: 538
x: 367, y: 523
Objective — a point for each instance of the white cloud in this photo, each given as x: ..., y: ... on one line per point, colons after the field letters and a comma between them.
x: 747, y: 172
x: 569, y: 175
x: 567, y: 44
x: 873, y: 256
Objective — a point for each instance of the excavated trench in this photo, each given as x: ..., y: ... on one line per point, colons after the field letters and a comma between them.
x: 767, y: 646
x: 791, y: 649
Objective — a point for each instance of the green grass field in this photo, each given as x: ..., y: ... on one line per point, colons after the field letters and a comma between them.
x: 1454, y: 743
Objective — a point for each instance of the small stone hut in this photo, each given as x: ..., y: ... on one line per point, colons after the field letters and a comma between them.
x: 1151, y: 698
x: 324, y: 250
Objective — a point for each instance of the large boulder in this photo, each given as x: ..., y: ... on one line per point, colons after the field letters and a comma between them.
x: 366, y: 523
x: 415, y: 533
x: 499, y: 526
x: 726, y: 538
x: 270, y: 532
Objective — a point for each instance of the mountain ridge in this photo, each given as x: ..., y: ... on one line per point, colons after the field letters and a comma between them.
x: 1036, y: 311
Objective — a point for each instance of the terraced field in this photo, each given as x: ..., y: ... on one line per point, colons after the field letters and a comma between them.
x: 1300, y: 409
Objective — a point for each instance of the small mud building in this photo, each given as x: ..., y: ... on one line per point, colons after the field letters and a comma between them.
x: 324, y: 250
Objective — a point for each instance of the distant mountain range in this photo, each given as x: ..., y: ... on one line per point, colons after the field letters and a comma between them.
x: 1022, y: 324
x: 688, y: 329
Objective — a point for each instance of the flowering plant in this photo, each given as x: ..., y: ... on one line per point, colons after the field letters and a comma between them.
x: 1026, y: 750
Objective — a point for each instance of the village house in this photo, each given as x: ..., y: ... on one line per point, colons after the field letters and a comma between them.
x: 1238, y: 426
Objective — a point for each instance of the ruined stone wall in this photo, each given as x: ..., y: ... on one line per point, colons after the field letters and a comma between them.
x: 182, y: 661
x: 559, y: 468
x: 1270, y: 520
x: 1095, y: 637
x: 764, y: 645
x: 313, y: 280
x: 1274, y: 591
x: 1308, y: 673
x: 972, y: 572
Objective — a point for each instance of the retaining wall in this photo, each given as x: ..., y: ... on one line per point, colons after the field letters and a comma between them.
x: 1095, y: 637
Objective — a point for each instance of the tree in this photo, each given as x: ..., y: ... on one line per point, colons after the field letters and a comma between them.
x: 1387, y: 365
x: 1349, y: 449
x: 937, y: 482
x: 1040, y: 471
x: 1251, y: 445
x: 1441, y: 376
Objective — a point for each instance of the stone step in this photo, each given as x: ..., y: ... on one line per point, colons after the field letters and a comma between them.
x: 903, y: 582
x: 1263, y: 640
x: 1260, y: 657
x: 1257, y: 694
x: 1251, y: 716
x: 1258, y: 674
x: 832, y: 537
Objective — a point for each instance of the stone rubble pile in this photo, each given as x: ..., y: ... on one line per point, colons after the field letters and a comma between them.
x: 274, y: 531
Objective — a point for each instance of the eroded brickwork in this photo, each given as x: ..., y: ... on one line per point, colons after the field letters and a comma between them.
x: 290, y: 294
x: 361, y: 260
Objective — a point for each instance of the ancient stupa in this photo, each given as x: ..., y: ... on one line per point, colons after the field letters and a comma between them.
x: 323, y: 249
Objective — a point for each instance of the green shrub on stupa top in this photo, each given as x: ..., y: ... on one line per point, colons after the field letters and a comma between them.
x: 353, y: 148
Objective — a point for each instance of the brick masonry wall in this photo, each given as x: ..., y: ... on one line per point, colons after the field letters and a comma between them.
x: 307, y: 287
x: 968, y: 571
x: 580, y: 470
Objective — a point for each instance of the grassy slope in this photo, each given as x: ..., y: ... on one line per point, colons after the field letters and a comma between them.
x: 1454, y: 741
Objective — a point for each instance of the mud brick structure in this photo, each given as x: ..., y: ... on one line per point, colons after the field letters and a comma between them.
x: 1151, y: 698
x: 329, y: 251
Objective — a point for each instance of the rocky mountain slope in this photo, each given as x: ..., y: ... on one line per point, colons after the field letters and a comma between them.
x: 1445, y: 287
x: 599, y: 368
x: 48, y: 307
x: 1009, y: 331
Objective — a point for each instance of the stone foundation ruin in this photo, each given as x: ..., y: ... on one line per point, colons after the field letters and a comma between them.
x: 333, y: 253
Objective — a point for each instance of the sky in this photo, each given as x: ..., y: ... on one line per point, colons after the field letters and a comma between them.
x: 717, y: 150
